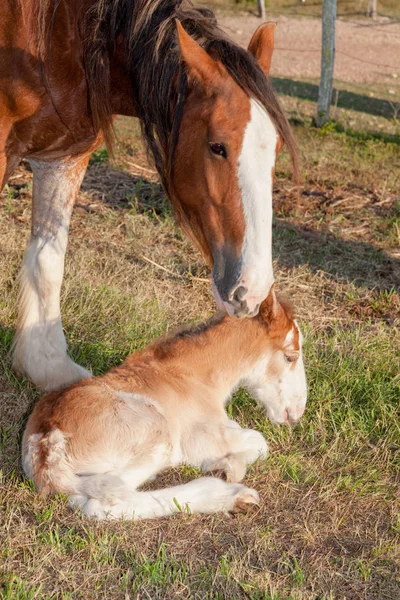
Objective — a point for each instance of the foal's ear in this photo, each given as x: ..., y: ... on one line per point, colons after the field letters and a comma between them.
x: 270, y: 307
x: 199, y: 64
x: 262, y: 45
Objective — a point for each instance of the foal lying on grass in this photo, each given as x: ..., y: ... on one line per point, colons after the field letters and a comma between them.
x: 102, y: 438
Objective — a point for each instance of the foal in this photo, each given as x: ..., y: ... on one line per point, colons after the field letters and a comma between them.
x: 102, y: 438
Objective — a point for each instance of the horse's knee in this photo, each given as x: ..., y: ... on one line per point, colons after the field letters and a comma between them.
x: 256, y: 442
x: 50, y: 261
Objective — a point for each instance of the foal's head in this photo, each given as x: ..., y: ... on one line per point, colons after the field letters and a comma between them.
x: 278, y: 379
x: 223, y: 170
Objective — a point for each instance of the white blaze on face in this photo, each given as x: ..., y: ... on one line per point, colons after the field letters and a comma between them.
x: 256, y: 164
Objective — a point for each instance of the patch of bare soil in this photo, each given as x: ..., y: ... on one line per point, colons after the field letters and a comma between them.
x: 366, y: 53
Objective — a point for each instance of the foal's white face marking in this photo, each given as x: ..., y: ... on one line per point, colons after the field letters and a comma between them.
x: 255, y: 174
x: 292, y: 382
x: 281, y: 385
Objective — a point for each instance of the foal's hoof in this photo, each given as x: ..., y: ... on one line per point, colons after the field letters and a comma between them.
x: 245, y: 501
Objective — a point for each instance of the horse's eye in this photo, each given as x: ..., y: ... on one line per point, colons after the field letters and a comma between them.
x: 292, y: 357
x: 219, y: 149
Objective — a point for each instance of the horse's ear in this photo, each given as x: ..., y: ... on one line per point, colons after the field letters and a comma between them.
x: 199, y: 64
x: 270, y: 307
x: 262, y: 45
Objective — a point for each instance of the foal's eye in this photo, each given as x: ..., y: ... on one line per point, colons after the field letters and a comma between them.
x: 218, y: 149
x: 290, y: 358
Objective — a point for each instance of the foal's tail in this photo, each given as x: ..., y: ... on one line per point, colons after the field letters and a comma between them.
x: 44, y: 460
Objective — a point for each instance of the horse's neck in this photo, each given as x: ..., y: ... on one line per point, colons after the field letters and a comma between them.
x: 124, y: 87
x: 121, y: 89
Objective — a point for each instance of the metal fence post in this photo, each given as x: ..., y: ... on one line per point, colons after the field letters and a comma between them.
x: 327, y: 60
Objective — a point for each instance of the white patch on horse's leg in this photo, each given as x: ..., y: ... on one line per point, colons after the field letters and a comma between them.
x: 252, y: 444
x: 255, y: 173
x: 94, y: 508
x: 40, y: 350
x: 138, y: 474
x: 205, y: 495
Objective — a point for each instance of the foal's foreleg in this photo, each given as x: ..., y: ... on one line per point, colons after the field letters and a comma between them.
x: 40, y: 349
x: 242, y: 447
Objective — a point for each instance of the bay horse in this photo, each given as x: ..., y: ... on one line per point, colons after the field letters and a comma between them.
x: 208, y: 114
x: 102, y: 438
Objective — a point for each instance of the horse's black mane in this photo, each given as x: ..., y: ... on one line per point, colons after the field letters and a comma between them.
x: 147, y: 30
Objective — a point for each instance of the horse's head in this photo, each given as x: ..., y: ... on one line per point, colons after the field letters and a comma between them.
x: 223, y: 171
x: 278, y: 379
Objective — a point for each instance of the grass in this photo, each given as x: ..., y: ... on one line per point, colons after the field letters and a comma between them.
x: 329, y: 523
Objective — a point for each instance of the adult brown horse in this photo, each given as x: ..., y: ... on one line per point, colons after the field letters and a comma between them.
x: 208, y: 114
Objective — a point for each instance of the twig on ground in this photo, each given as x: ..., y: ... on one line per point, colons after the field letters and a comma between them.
x: 136, y: 166
x: 152, y: 262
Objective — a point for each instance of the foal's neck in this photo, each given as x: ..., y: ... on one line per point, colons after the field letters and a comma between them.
x: 218, y: 353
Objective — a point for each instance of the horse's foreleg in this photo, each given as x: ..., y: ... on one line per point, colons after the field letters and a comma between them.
x: 40, y: 349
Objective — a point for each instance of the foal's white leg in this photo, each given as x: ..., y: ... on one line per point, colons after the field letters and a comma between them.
x: 243, y: 447
x: 40, y: 349
x: 206, y: 495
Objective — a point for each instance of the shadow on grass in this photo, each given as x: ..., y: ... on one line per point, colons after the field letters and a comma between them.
x: 343, y: 260
x: 351, y: 100
x: 359, y: 262
x: 121, y: 189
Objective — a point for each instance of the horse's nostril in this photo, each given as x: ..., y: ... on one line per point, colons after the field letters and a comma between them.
x: 240, y: 293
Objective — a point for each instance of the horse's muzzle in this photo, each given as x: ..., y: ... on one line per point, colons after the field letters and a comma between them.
x: 239, y: 294
x: 240, y: 305
x: 236, y: 305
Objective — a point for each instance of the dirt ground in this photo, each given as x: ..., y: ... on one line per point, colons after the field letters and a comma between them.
x: 366, y: 53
